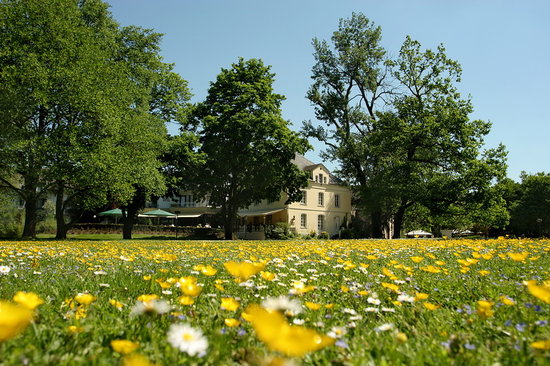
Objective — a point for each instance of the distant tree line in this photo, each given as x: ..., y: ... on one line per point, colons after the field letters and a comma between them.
x: 84, y: 104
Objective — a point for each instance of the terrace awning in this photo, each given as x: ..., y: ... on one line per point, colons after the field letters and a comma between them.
x: 259, y: 212
x: 158, y: 213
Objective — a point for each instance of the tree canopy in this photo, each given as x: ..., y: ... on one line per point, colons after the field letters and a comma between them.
x: 398, y: 127
x: 245, y: 144
x: 83, y: 103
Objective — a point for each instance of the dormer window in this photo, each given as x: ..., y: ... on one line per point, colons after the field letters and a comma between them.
x: 321, y: 178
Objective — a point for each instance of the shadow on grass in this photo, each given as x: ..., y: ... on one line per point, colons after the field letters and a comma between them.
x: 103, y: 237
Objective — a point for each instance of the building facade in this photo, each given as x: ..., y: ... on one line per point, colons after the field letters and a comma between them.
x: 325, y: 207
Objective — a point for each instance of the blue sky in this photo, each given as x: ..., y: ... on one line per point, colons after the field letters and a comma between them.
x: 503, y: 47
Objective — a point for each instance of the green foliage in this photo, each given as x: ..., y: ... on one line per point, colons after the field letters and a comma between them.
x: 246, y: 146
x: 323, y: 235
x: 11, y: 218
x: 398, y: 127
x: 280, y: 230
x: 531, y: 211
x: 83, y: 104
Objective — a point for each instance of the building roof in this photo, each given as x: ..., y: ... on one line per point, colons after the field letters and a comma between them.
x: 308, y: 165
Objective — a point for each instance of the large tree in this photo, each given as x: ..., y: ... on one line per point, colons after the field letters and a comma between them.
x: 56, y: 93
x: 399, y: 128
x: 82, y: 106
x: 247, y: 147
x: 531, y: 211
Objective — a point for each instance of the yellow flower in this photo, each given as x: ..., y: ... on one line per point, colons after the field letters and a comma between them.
x: 507, y: 301
x: 80, y: 312
x: 291, y: 340
x: 30, y: 300
x: 391, y: 286
x: 191, y: 289
x: 85, y: 299
x: 483, y: 273
x: 230, y: 304
x: 116, y: 304
x: 421, y: 296
x: 401, y: 337
x: 209, y: 271
x: 518, y: 257
x: 13, y: 319
x: 243, y: 270
x: 230, y: 322
x: 344, y: 289
x: 299, y: 288
x: 186, y: 300
x: 136, y: 360
x: 312, y: 305
x: 124, y: 346
x: 430, y: 306
x: 540, y: 292
x: 147, y: 298
x: 147, y: 277
x: 431, y: 269
x: 484, y: 309
x: 362, y: 293
x: 417, y: 259
x: 73, y: 329
x: 542, y: 345
x: 268, y: 276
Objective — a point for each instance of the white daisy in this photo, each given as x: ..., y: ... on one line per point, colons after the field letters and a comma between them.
x: 150, y: 307
x: 284, y: 304
x: 405, y: 298
x: 5, y: 270
x: 384, y: 327
x: 374, y: 301
x: 187, y: 339
x: 337, y: 332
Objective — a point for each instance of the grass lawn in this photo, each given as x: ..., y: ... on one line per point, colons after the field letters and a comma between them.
x: 312, y: 302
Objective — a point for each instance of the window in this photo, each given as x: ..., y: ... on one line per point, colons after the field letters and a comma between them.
x: 321, y: 222
x: 304, y: 198
x: 337, y: 222
x: 324, y: 180
x: 187, y: 200
x: 303, y: 220
x: 321, y: 199
x: 321, y: 178
x: 336, y: 200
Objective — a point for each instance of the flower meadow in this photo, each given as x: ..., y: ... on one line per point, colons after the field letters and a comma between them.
x: 301, y: 302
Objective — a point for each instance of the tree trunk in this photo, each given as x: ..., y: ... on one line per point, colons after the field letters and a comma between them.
x: 376, y: 224
x: 31, y: 217
x: 398, y: 221
x: 229, y: 214
x: 127, y: 227
x: 129, y: 214
x: 61, y: 227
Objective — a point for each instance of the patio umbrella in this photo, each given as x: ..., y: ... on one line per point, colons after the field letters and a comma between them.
x: 158, y: 214
x: 116, y: 213
x: 113, y: 212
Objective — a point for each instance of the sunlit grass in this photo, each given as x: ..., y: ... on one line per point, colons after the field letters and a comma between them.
x: 344, y: 302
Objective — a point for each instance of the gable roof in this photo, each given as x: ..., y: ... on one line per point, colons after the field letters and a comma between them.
x: 308, y: 165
